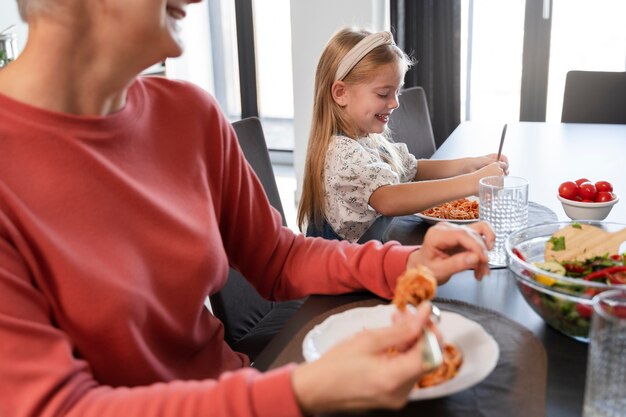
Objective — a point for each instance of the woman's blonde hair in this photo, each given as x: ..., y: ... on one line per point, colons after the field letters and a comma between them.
x: 330, y: 119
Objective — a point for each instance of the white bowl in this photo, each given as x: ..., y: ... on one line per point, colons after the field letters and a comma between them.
x: 578, y: 210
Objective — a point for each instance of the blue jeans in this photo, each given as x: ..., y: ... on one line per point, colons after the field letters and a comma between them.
x: 326, y: 232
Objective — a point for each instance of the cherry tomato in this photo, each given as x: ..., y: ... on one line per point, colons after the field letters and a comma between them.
x: 584, y: 310
x: 518, y: 254
x: 604, y: 186
x: 603, y: 196
x: 587, y: 191
x: 619, y: 311
x: 581, y: 180
x: 568, y: 190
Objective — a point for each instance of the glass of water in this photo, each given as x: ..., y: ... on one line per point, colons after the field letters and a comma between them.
x: 8, y: 48
x: 503, y: 203
x: 605, y: 387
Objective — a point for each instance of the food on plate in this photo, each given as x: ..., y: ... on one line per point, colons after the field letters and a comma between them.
x: 461, y: 209
x: 413, y: 287
x: 452, y: 360
x: 580, y: 241
x: 584, y: 254
x: 587, y: 191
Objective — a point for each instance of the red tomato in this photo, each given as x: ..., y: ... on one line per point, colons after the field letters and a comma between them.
x: 603, y: 196
x: 581, y: 180
x: 568, y: 190
x: 604, y: 186
x: 584, y: 310
x: 619, y: 311
x: 587, y: 191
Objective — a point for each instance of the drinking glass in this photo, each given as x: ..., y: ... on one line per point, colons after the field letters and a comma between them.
x: 8, y: 48
x: 503, y: 203
x: 605, y: 387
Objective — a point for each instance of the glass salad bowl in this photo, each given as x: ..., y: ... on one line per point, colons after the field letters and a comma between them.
x: 561, y: 292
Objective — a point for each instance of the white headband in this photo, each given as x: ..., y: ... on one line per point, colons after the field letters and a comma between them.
x: 359, y: 51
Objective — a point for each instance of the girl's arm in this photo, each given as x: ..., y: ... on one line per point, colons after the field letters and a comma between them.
x: 432, y: 169
x: 413, y: 197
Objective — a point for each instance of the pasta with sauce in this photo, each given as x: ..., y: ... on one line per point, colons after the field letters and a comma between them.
x: 413, y: 287
x: 461, y: 209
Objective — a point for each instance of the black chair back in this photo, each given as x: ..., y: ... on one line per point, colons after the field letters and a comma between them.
x: 250, y: 321
x: 410, y: 123
x: 594, y: 97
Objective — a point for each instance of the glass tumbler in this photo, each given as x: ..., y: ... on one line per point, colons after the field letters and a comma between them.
x: 503, y: 203
x: 605, y: 387
x: 8, y: 48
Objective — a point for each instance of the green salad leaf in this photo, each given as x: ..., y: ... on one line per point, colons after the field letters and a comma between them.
x: 558, y: 243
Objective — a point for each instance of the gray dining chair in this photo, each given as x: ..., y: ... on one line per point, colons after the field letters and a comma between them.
x: 594, y: 97
x: 410, y: 123
x: 250, y: 321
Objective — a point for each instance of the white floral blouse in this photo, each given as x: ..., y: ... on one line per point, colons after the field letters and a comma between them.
x: 353, y: 170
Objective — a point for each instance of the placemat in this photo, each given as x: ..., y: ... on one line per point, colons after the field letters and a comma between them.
x: 516, y: 387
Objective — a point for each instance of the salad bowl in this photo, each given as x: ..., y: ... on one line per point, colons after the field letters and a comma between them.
x: 561, y: 292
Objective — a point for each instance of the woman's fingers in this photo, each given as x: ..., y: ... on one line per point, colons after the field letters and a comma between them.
x: 406, y: 329
x: 359, y: 373
x: 450, y: 248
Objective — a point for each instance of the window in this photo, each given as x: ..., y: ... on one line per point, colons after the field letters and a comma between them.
x: 582, y: 36
x: 585, y: 36
x: 272, y: 33
x: 491, y: 53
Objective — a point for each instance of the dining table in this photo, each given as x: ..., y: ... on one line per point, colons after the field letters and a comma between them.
x: 541, y: 371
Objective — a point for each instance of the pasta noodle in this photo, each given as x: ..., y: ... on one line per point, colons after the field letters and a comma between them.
x: 413, y: 287
x: 461, y: 209
x: 452, y: 360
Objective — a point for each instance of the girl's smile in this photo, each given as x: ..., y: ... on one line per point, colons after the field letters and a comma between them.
x: 369, y: 104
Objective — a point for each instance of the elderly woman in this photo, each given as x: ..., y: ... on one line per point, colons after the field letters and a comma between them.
x: 123, y: 201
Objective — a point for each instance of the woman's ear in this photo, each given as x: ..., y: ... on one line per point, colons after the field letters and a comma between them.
x: 340, y: 93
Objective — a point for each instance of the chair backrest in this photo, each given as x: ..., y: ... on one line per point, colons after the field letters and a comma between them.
x: 238, y: 305
x: 252, y: 141
x: 410, y: 123
x: 594, y: 97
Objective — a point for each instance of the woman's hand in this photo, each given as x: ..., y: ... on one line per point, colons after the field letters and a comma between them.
x: 449, y: 248
x: 359, y: 373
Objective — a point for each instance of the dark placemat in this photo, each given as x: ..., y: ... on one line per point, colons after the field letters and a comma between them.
x: 516, y: 387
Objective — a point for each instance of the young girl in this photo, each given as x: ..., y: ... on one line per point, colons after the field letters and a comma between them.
x: 354, y: 172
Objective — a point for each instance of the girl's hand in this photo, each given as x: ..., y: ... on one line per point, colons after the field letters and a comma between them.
x: 493, y: 169
x: 482, y: 161
x: 359, y: 373
x: 450, y: 248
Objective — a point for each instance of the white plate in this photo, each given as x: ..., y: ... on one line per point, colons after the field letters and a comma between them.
x: 480, y: 351
x: 433, y: 220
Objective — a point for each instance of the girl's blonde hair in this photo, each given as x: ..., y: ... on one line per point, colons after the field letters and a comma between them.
x: 330, y: 119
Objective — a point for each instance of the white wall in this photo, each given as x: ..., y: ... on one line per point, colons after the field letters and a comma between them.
x: 9, y: 16
x: 312, y: 24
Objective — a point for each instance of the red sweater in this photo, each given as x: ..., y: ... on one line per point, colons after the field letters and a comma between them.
x: 114, y: 229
